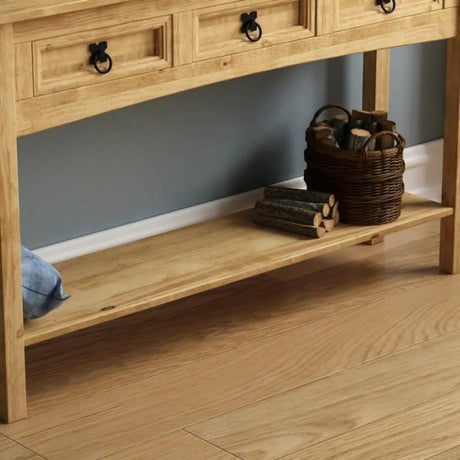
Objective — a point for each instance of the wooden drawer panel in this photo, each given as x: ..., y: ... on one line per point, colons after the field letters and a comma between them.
x: 450, y: 3
x: 336, y: 15
x: 217, y: 30
x: 64, y: 62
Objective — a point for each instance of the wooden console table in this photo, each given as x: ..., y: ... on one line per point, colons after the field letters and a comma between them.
x: 54, y: 57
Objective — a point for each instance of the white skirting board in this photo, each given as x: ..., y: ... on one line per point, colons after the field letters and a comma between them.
x: 422, y: 177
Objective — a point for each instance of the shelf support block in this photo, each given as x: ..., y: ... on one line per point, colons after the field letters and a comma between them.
x: 376, y: 91
x: 449, y: 254
x: 12, y: 363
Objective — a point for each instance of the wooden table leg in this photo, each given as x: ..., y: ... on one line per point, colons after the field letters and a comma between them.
x: 376, y: 91
x: 12, y: 364
x: 376, y: 80
x: 449, y: 254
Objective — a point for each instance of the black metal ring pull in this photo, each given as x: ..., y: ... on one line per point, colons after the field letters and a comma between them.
x: 383, y: 4
x: 251, y: 27
x: 100, y: 56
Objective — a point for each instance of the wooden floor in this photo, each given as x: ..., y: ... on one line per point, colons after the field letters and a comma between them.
x: 351, y: 355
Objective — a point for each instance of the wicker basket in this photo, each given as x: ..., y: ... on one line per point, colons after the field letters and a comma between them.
x: 368, y: 184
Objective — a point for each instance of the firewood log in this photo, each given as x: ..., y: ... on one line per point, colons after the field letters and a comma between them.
x: 314, y: 232
x: 337, y: 218
x: 360, y: 119
x: 340, y: 124
x: 357, y: 138
x: 333, y: 211
x: 376, y: 117
x: 328, y: 224
x: 323, y: 208
x: 385, y: 141
x: 285, y: 211
x: 310, y: 196
x: 325, y: 135
x: 379, y: 115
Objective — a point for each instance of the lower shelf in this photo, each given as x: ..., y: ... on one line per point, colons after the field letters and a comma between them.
x: 153, y: 271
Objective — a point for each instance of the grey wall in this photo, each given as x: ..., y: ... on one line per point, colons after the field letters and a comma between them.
x: 204, y: 144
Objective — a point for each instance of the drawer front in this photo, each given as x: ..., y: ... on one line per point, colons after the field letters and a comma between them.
x: 218, y: 30
x: 347, y: 14
x: 63, y: 62
x: 450, y: 3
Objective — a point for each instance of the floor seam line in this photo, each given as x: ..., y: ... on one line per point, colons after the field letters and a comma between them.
x: 211, y: 444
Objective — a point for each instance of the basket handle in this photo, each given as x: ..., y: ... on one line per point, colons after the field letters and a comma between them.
x: 401, y: 142
x: 327, y: 107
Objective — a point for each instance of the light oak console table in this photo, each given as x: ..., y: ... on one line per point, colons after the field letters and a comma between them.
x: 54, y: 57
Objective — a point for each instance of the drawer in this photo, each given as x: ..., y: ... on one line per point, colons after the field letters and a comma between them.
x: 63, y: 62
x: 218, y: 30
x: 450, y: 3
x: 346, y: 14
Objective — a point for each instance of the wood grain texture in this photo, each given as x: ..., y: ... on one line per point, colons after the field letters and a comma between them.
x: 135, y: 277
x: 356, y: 253
x: 23, y: 71
x: 414, y: 433
x: 376, y: 92
x: 349, y: 400
x: 281, y: 21
x: 22, y: 10
x: 279, y: 308
x: 10, y: 450
x: 183, y: 38
x: 348, y: 14
x: 138, y: 47
x: 15, y: 11
x: 376, y: 80
x: 449, y: 454
x: 188, y: 261
x: 56, y: 109
x: 104, y: 16
x: 450, y: 228
x: 174, y: 446
x: 12, y: 366
x: 113, y: 390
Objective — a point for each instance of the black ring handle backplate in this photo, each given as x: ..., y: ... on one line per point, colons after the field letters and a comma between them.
x: 383, y: 4
x: 99, y: 55
x: 251, y: 25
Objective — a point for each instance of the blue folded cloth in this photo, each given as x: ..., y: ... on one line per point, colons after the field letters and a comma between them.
x: 42, y: 289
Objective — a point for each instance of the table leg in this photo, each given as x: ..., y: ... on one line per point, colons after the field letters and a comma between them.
x: 449, y: 254
x: 12, y: 364
x: 376, y: 80
x: 376, y: 91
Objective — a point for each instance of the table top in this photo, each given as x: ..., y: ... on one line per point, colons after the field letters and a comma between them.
x: 21, y: 10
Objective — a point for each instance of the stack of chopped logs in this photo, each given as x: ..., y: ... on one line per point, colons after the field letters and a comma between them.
x: 354, y: 133
x: 304, y: 212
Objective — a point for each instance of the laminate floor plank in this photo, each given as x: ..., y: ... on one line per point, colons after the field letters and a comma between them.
x: 174, y: 446
x: 450, y: 454
x: 416, y: 433
x: 334, y: 405
x: 10, y: 450
x: 132, y: 414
